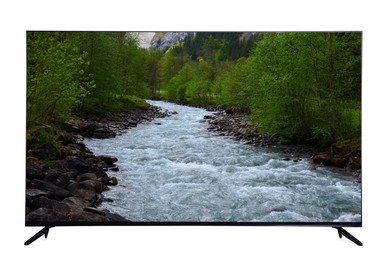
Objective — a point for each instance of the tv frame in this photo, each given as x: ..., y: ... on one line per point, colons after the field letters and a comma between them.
x: 336, y: 225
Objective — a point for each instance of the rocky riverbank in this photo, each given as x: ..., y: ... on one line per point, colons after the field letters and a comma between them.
x: 64, y: 180
x: 234, y: 124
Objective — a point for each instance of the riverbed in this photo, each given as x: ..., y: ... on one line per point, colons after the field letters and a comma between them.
x: 174, y: 169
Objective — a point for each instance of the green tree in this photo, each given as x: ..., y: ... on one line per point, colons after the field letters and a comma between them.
x: 153, y: 58
x: 56, y: 76
x: 118, y: 68
x: 299, y: 85
x: 231, y: 87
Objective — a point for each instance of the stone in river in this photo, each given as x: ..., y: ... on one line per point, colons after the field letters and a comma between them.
x: 110, y: 160
x: 94, y: 210
x: 114, y: 168
x: 114, y: 181
x: 116, y: 217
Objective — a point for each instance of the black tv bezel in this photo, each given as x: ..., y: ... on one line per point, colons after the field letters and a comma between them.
x: 185, y: 223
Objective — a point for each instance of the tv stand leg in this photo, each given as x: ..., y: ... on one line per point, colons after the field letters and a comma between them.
x: 44, y: 231
x: 342, y: 232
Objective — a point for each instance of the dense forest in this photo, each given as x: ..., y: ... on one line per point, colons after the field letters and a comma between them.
x: 303, y: 86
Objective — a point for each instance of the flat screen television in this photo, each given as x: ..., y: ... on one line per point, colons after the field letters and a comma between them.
x: 193, y: 128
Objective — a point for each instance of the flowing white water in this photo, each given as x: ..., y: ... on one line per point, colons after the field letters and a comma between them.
x: 174, y: 169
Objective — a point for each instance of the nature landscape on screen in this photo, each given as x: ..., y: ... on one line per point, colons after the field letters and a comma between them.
x: 193, y: 127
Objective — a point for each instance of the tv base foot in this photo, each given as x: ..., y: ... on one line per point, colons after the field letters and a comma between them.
x: 342, y: 232
x: 44, y: 231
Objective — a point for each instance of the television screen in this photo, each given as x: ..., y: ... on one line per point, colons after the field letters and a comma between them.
x: 256, y: 128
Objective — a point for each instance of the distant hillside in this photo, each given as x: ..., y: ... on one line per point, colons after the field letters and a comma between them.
x: 164, y: 40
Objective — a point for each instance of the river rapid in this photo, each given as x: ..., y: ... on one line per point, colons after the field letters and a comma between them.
x: 174, y: 169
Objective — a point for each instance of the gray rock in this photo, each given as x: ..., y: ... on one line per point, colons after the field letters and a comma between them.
x: 103, y: 133
x: 110, y: 160
x: 95, y: 211
x: 116, y: 217
x: 87, y: 194
x: 354, y: 163
x: 76, y: 203
x: 88, y: 176
x: 73, y: 186
x: 57, y: 178
x: 87, y: 217
x: 114, y: 169
x: 95, y: 185
x: 44, y: 152
x: 53, y: 190
x: 33, y: 171
x: 114, y: 181
x: 76, y: 164
x: 43, y: 202
x: 44, y: 215
x: 67, y: 138
x: 86, y: 127
x: 35, y: 193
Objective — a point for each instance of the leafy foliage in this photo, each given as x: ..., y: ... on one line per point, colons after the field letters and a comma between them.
x: 83, y: 73
x: 56, y: 79
x: 304, y: 86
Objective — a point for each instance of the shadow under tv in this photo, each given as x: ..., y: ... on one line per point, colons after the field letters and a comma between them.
x: 338, y: 225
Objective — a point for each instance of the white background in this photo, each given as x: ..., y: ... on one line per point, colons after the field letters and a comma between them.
x: 195, y: 242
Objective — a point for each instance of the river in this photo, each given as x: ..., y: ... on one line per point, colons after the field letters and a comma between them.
x: 174, y: 169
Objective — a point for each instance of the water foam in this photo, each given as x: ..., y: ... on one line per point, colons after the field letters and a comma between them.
x: 176, y: 170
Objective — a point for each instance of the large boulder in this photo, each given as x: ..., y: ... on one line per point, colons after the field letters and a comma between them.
x: 67, y: 138
x: 43, y: 202
x: 87, y: 217
x: 338, y: 162
x: 44, y: 152
x: 88, y: 176
x: 87, y: 194
x: 78, y: 212
x: 329, y: 160
x: 35, y: 193
x: 77, y: 203
x: 33, y: 171
x: 95, y: 185
x: 102, y: 132
x: 103, y: 177
x: 86, y: 190
x: 354, y: 163
x: 116, y: 217
x: 94, y: 210
x: 86, y: 127
x: 321, y: 158
x: 57, y: 178
x: 52, y: 190
x: 74, y: 163
x: 45, y: 215
x: 110, y: 160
